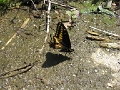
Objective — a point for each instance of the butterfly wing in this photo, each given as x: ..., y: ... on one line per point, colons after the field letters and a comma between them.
x: 61, y: 39
x: 63, y: 36
x: 54, y: 43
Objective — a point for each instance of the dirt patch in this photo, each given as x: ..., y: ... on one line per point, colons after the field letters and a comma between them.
x: 90, y: 67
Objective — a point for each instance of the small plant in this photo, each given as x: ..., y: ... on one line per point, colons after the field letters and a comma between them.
x: 8, y: 3
x: 3, y: 6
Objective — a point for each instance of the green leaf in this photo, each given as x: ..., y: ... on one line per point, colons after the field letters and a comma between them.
x: 106, y: 11
x: 73, y: 13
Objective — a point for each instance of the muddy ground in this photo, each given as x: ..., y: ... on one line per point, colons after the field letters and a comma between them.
x: 90, y: 67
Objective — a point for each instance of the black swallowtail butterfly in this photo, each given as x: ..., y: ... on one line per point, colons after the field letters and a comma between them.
x: 61, y: 39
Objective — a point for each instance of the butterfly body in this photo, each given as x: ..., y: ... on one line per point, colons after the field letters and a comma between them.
x: 61, y: 39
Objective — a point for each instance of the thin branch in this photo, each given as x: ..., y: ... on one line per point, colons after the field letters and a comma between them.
x: 48, y: 16
x: 45, y: 1
x: 106, y: 32
x: 23, y: 25
x: 34, y: 5
x: 16, y: 71
x: 47, y: 25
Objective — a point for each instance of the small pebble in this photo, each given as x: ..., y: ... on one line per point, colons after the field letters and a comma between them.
x: 96, y: 70
x: 109, y: 85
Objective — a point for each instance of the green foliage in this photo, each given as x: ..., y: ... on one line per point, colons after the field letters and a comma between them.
x: 8, y: 2
x: 5, y: 2
x: 88, y: 6
x: 85, y: 7
x: 73, y: 13
x: 106, y: 11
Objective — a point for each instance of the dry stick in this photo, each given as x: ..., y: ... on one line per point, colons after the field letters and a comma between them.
x: 108, y: 33
x: 16, y: 71
x: 34, y: 6
x: 23, y: 25
x: 44, y: 1
x: 48, y: 16
x: 48, y: 25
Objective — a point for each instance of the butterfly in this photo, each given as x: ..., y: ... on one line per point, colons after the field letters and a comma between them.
x: 61, y: 39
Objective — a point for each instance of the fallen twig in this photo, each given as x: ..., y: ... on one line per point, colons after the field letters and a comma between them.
x: 106, y: 32
x: 97, y: 38
x: 110, y: 45
x: 93, y: 33
x: 16, y: 71
x: 23, y: 25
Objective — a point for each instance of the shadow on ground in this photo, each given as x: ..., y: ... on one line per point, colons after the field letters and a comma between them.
x: 54, y: 59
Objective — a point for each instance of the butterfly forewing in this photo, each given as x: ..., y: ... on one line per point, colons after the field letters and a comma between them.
x: 58, y: 30
x: 63, y: 35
